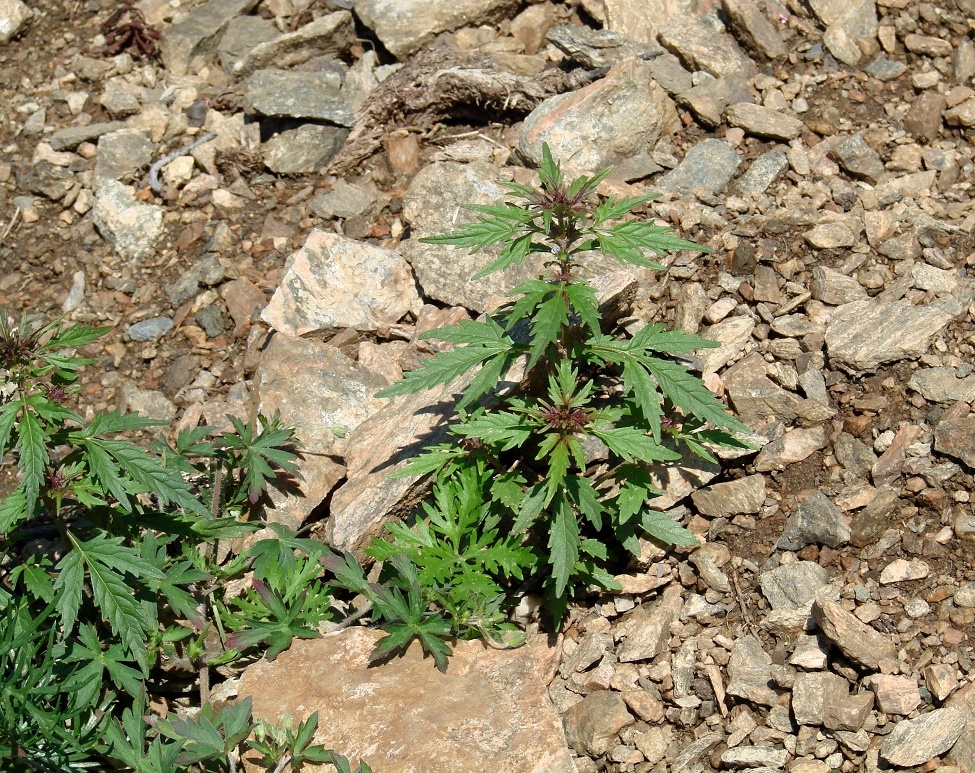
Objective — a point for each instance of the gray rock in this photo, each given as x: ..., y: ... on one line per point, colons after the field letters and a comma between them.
x: 592, y: 724
x: 791, y: 589
x: 924, y: 118
x: 915, y: 741
x: 150, y: 403
x: 602, y: 124
x: 764, y: 121
x: 853, y: 32
x: 709, y: 100
x: 333, y: 282
x: 754, y: 756
x: 149, y: 329
x: 48, y: 180
x: 305, y: 149
x: 690, y: 756
x: 817, y: 521
x: 700, y: 47
x: 962, y: 114
x: 942, y: 385
x: 758, y: 401
x: 745, y: 495
x: 709, y: 165
x: 939, y: 281
x: 855, y: 456
x: 863, y: 335
x: 647, y: 628
x: 13, y: 15
x: 329, y: 35
x: 72, y: 136
x: 343, y: 201
x: 242, y: 35
x: 794, y: 446
x: 830, y: 236
x: 500, y: 717
x: 858, y: 158
x: 206, y: 272
x: 121, y: 154
x: 404, y: 27
x: 198, y: 34
x: 857, y: 640
x: 884, y: 69
x: 833, y: 288
x: 868, y: 524
x: 671, y: 74
x: 295, y: 94
x: 120, y: 98
x: 595, y: 48
x: 132, y: 228
x: 810, y: 694
x: 754, y: 29
x: 749, y: 672
x: 762, y: 173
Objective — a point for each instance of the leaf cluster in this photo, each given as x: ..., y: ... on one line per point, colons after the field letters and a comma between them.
x: 571, y: 452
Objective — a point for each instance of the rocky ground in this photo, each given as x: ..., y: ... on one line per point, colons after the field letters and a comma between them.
x: 823, y: 151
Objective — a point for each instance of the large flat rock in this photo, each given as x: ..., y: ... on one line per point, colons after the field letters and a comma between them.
x: 489, y: 713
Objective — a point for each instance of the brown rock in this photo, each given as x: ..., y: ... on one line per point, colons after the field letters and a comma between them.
x: 923, y: 120
x: 489, y: 711
x: 895, y: 694
x: 858, y: 641
x: 647, y: 629
x: 955, y: 434
x: 592, y: 724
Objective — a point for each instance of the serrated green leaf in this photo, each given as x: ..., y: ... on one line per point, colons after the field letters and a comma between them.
x: 633, y: 443
x: 487, y: 378
x: 638, y: 382
x: 510, y: 430
x: 615, y: 208
x: 431, y: 460
x: 442, y: 369
x: 584, y: 497
x: 655, y: 337
x: 531, y: 507
x: 33, y: 458
x: 555, y: 451
x: 13, y: 510
x: 582, y: 298
x: 563, y: 542
x: 661, y: 527
x: 8, y: 418
x: 69, y: 586
x: 513, y: 254
x: 547, y: 322
x: 635, y: 490
x: 689, y: 394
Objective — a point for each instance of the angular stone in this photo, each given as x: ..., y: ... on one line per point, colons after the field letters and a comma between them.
x: 955, y: 434
x: 936, y: 280
x: 709, y: 100
x: 754, y: 29
x: 596, y: 48
x: 700, y: 47
x: 132, y: 228
x: 489, y: 711
x: 895, y: 694
x: 863, y: 335
x: 333, y: 282
x: 640, y: 20
x: 874, y: 519
x: 592, y: 724
x: 754, y: 757
x: 915, y: 741
x: 745, y: 495
x: 151, y: 329
x: 883, y: 69
x: 71, y: 137
x: 13, y: 15
x: 647, y: 628
x: 305, y: 149
x: 199, y: 33
x: 319, y: 390
x: 812, y: 692
x: 749, y: 672
x: 150, y: 403
x: 810, y: 653
x: 242, y: 34
x: 794, y: 446
x: 817, y: 521
x: 732, y: 333
x: 343, y: 201
x: 853, y: 32
x: 858, y: 158
x: 832, y: 287
x: 296, y: 94
x: 709, y: 165
x: 830, y: 236
x: 122, y: 153
x: 758, y: 401
x: 762, y: 173
x: 859, y: 642
x: 763, y: 121
x: 962, y: 114
x: 940, y: 678
x: 848, y: 712
x: 924, y: 118
x: 405, y: 26
x: 791, y: 590
x: 928, y: 45
x: 902, y: 570
x: 604, y: 123
x: 329, y: 35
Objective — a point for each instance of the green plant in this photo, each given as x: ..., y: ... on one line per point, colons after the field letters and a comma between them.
x: 109, y: 567
x: 561, y: 465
